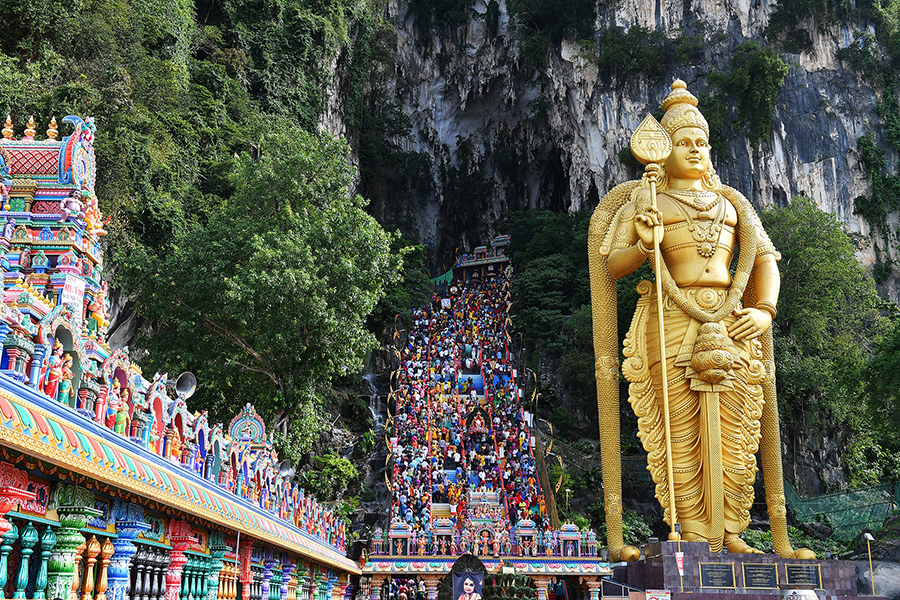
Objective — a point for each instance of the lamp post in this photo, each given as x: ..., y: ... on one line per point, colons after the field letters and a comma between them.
x: 568, y: 491
x: 869, y: 540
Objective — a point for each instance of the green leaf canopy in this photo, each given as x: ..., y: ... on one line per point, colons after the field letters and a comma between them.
x: 267, y: 300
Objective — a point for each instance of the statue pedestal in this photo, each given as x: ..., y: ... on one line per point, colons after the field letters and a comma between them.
x: 752, y: 576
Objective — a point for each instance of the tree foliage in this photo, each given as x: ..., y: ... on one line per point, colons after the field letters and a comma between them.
x: 828, y: 319
x: 642, y: 52
x: 549, y: 253
x: 329, y: 476
x: 756, y: 76
x: 267, y: 300
x: 183, y: 94
x: 541, y: 23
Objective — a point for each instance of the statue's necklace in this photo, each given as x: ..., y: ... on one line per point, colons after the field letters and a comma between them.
x: 706, y: 230
x: 701, y: 200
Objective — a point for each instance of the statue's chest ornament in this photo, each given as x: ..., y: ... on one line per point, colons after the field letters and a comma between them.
x: 705, y: 228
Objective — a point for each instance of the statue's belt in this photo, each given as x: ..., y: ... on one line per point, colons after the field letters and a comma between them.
x: 706, y: 352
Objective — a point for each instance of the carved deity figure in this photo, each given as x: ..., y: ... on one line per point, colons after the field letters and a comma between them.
x: 121, y: 423
x: 718, y: 342
x: 65, y: 381
x: 54, y: 370
x: 113, y: 402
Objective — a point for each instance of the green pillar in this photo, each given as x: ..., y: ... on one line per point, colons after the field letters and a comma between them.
x: 48, y: 541
x: 75, y: 506
x: 217, y: 550
x: 26, y: 548
x: 186, y: 570
x: 6, y: 541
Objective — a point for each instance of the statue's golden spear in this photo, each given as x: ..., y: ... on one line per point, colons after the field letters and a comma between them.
x: 651, y: 145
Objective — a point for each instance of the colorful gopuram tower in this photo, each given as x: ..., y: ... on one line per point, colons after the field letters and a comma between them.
x: 110, y: 488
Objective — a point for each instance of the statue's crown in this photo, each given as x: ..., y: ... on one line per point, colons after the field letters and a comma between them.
x: 681, y: 110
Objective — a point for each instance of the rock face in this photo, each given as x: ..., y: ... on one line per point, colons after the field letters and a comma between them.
x: 553, y: 140
x: 886, y: 575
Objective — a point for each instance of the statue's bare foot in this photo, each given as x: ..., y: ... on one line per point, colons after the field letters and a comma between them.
x: 738, y: 546
x: 805, y: 553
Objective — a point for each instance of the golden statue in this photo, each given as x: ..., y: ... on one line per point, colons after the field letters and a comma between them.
x: 704, y: 391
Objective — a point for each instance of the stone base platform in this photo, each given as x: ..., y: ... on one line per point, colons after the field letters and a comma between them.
x: 752, y: 576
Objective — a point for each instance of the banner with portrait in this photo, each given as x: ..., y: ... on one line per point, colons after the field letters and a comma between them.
x: 467, y: 586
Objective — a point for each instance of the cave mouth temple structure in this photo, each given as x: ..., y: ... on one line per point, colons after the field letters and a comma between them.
x: 110, y: 489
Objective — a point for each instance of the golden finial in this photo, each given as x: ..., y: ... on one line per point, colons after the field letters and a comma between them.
x: 8, y: 128
x: 53, y: 131
x: 29, y: 130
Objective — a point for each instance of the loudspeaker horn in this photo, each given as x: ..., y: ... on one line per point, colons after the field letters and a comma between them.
x: 186, y: 385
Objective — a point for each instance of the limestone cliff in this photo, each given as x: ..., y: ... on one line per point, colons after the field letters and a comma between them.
x: 552, y: 138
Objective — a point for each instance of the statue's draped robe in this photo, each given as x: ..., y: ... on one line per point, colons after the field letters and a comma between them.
x: 715, y: 427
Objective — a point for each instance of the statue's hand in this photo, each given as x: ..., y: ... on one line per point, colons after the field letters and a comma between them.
x: 644, y: 224
x: 750, y: 324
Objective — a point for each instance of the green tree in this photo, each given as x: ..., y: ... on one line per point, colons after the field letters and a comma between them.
x: 883, y: 377
x: 549, y: 254
x: 329, y: 476
x: 411, y: 290
x: 829, y: 316
x: 756, y: 76
x: 267, y: 301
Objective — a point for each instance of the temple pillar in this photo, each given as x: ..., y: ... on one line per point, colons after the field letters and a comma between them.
x: 36, y: 362
x: 268, y: 565
x: 48, y: 541
x: 106, y: 552
x: 129, y: 525
x: 179, y: 538
x: 93, y: 549
x: 431, y: 585
x: 375, y: 590
x: 541, y: 583
x: 27, y: 541
x: 81, y: 405
x: 100, y: 404
x: 292, y: 588
x: 217, y: 550
x: 245, y: 572
x: 593, y: 585
x: 7, y: 539
x: 61, y: 568
x: 187, y: 573
x: 301, y: 592
x: 286, y: 569
x: 158, y: 576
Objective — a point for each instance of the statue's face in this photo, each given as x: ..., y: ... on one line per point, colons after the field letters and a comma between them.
x: 690, y: 154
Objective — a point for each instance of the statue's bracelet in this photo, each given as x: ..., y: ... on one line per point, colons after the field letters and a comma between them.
x: 768, y: 307
x: 643, y: 249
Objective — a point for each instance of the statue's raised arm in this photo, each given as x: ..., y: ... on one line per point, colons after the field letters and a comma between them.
x: 717, y: 348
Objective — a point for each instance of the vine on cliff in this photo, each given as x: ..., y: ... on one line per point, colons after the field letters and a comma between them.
x: 624, y: 56
x: 756, y: 76
x: 538, y: 24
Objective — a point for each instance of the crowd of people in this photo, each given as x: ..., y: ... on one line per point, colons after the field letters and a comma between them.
x: 459, y: 428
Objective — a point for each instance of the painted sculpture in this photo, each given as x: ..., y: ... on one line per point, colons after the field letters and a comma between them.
x: 704, y: 393
x: 54, y: 316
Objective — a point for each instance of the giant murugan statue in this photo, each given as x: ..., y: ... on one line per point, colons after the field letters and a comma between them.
x: 704, y: 390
